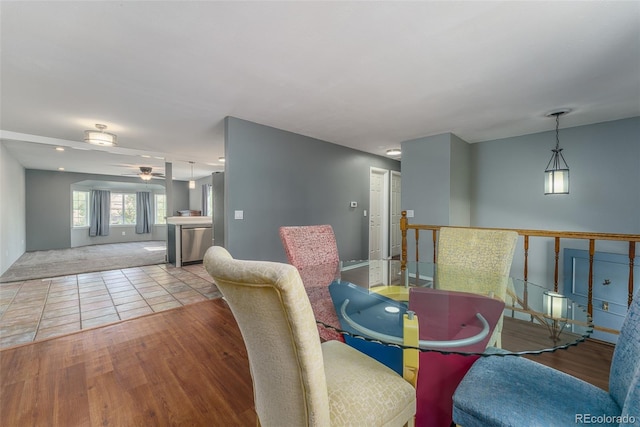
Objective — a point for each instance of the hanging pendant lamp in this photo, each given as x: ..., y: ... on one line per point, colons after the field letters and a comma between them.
x: 556, y: 175
x: 192, y: 183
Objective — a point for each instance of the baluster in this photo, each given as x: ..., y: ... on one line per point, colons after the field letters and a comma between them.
x: 526, y: 257
x: 434, y: 234
x: 592, y: 246
x: 632, y: 255
x: 555, y: 272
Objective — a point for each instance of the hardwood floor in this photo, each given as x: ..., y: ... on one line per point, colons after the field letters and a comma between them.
x: 589, y: 360
x: 185, y: 366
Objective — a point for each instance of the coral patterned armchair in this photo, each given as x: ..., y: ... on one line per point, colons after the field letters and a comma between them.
x: 313, y: 251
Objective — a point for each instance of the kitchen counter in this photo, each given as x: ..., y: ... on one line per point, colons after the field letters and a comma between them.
x: 188, y: 238
x: 191, y: 220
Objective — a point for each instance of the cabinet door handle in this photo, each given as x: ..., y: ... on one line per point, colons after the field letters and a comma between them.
x: 606, y: 282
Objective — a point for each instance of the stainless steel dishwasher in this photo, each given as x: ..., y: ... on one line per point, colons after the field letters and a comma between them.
x: 196, y: 239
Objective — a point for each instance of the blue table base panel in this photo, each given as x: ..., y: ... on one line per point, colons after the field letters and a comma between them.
x: 369, y: 309
x: 514, y: 391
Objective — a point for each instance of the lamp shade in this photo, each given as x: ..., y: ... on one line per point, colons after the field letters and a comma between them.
x: 556, y: 181
x: 100, y: 137
x: 554, y: 305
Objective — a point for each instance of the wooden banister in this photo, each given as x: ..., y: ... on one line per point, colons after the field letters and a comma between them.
x: 527, y: 233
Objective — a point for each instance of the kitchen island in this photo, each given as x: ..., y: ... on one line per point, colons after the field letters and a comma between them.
x: 188, y: 238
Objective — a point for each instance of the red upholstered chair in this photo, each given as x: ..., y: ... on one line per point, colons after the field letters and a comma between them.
x: 313, y: 251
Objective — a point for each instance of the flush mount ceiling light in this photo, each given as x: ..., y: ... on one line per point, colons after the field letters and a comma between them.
x: 556, y: 175
x: 394, y: 152
x: 100, y: 137
x: 192, y: 183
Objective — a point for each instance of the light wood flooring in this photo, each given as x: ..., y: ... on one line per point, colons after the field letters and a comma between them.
x: 181, y: 367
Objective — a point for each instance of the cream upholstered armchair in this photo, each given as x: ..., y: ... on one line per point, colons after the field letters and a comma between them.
x: 477, y: 261
x: 313, y: 250
x: 298, y: 381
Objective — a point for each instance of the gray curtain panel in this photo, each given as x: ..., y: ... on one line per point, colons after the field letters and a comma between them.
x: 143, y: 212
x: 99, y: 213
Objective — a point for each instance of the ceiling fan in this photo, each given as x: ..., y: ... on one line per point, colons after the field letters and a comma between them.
x: 146, y: 173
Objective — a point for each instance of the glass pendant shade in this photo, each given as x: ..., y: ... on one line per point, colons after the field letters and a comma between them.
x: 192, y: 182
x: 556, y: 181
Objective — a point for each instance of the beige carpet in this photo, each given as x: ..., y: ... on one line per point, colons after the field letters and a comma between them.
x: 86, y: 259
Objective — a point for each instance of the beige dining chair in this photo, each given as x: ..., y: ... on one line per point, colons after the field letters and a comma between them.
x: 298, y: 381
x: 477, y: 261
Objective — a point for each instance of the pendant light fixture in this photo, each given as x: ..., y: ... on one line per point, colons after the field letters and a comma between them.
x: 556, y: 175
x: 192, y: 183
x: 100, y: 137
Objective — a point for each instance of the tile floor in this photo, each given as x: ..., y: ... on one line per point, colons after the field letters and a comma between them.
x: 36, y: 309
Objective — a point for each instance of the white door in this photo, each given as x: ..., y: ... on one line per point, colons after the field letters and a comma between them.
x: 396, y: 235
x: 396, y: 214
x: 378, y: 212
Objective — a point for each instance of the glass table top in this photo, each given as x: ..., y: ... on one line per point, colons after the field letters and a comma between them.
x: 458, y: 309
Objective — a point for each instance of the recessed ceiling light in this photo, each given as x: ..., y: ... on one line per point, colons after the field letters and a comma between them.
x: 60, y: 169
x: 59, y: 148
x: 394, y: 152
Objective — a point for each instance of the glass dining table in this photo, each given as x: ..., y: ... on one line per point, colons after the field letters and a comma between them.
x: 431, y: 322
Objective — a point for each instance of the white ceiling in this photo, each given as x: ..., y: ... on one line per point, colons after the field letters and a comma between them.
x: 163, y: 75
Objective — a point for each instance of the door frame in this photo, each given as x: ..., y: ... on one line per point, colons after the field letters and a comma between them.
x: 384, y: 205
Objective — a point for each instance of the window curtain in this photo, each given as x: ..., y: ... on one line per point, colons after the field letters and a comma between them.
x: 205, y: 199
x: 99, y: 213
x: 143, y: 212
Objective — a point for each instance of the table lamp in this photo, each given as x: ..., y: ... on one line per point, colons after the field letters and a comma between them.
x: 554, y: 306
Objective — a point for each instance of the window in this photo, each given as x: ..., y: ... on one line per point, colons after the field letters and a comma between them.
x: 123, y: 209
x: 160, y: 209
x: 209, y: 200
x: 80, y: 209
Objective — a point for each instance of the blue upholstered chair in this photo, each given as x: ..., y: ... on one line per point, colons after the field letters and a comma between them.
x: 514, y: 391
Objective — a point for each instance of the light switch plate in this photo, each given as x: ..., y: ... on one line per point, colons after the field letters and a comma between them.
x: 410, y: 213
x: 238, y: 215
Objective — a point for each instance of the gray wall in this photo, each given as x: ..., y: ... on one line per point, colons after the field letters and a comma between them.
x: 281, y: 178
x: 604, y: 163
x: 217, y: 180
x: 436, y: 185
x: 12, y: 210
x: 48, y: 209
x: 426, y: 184
x: 506, y: 187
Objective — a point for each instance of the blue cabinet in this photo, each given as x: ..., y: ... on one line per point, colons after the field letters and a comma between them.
x: 610, y: 286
